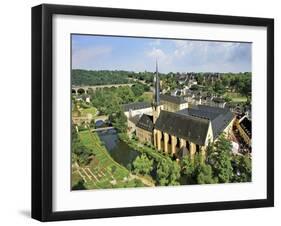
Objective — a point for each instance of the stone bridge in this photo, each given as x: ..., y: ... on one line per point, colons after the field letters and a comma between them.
x: 101, y: 118
x: 102, y: 129
x: 91, y: 89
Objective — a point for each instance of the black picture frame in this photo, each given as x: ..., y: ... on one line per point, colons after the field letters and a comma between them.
x: 42, y: 111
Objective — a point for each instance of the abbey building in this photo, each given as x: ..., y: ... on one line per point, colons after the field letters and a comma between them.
x: 175, y: 128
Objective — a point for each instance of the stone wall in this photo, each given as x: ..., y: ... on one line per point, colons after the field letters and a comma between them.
x: 144, y: 136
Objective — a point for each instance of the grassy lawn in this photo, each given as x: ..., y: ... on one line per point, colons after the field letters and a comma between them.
x: 236, y: 97
x: 152, y: 152
x: 102, y: 171
x: 147, y: 96
x: 90, y: 110
x: 239, y: 99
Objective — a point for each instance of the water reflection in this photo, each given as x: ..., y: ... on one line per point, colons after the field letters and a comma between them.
x: 118, y: 149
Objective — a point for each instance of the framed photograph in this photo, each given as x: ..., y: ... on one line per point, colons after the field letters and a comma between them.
x: 146, y: 112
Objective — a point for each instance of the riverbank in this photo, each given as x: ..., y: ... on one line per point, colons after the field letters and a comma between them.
x: 144, y: 149
x: 102, y: 171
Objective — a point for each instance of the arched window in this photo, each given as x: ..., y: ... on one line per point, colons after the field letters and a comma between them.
x: 197, y: 148
x: 162, y: 136
x: 188, y: 145
x: 178, y: 143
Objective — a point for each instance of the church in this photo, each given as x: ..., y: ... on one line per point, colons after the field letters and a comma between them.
x: 173, y: 127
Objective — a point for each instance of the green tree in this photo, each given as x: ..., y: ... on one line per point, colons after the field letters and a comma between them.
x: 169, y: 83
x: 245, y: 86
x: 174, y: 174
x: 138, y: 89
x: 227, y: 98
x: 197, y: 171
x: 225, y: 81
x: 219, y: 157
x: 219, y: 88
x: 204, y: 174
x: 80, y: 153
x: 163, y: 172
x: 242, y: 168
x: 79, y: 185
x: 112, y: 105
x: 125, y: 94
x: 119, y: 121
x: 168, y: 172
x: 143, y: 165
x: 108, y: 100
x: 188, y: 168
x: 200, y: 79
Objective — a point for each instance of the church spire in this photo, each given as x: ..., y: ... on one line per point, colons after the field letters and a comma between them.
x: 157, y: 87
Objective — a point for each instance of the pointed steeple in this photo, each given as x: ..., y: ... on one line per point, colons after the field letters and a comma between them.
x: 157, y: 87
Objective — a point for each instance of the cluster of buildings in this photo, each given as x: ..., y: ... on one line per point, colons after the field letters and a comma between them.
x: 174, y: 126
x: 190, y: 78
x: 182, y: 122
x: 197, y: 97
x: 200, y: 97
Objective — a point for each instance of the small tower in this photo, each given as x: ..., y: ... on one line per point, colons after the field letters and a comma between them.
x: 156, y: 102
x: 157, y: 87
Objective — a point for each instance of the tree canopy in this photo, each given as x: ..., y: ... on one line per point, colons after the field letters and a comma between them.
x: 168, y: 172
x: 219, y: 158
x: 242, y: 168
x: 143, y: 165
x: 104, y: 77
x: 197, y: 171
x: 90, y: 77
x: 80, y: 153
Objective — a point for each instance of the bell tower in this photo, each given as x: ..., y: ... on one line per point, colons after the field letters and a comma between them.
x: 156, y: 102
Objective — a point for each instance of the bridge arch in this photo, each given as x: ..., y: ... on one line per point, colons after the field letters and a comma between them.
x: 81, y: 91
x: 90, y: 90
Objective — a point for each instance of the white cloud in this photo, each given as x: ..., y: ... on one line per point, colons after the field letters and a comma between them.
x: 172, y: 55
x: 194, y: 55
x: 163, y: 57
x: 183, y: 47
x: 157, y: 53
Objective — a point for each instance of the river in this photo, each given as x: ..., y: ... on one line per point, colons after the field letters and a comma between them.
x: 118, y: 149
x: 122, y: 152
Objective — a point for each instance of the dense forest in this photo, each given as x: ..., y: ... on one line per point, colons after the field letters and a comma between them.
x: 109, y: 102
x: 90, y: 77
x: 84, y: 77
x: 239, y: 82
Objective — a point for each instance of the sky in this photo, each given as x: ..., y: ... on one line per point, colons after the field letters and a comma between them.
x: 93, y: 52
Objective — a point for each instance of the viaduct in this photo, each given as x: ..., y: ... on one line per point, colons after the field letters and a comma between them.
x: 91, y: 89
